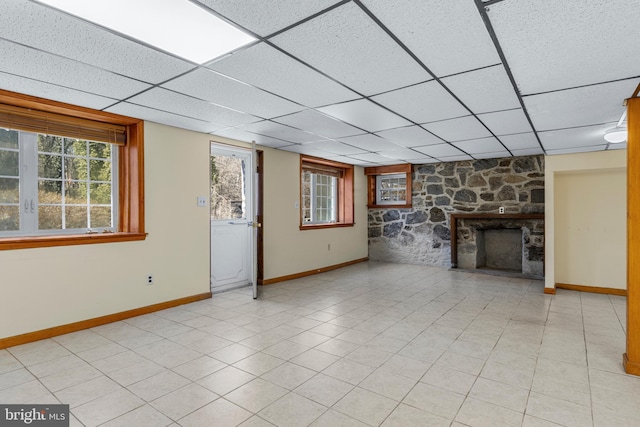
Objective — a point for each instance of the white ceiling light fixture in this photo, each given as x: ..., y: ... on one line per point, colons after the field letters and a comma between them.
x: 175, y: 26
x: 615, y: 135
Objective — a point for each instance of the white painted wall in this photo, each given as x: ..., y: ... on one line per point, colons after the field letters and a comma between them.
x: 47, y: 287
x: 585, y: 219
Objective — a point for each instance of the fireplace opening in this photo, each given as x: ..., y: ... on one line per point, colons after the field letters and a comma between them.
x: 499, y: 249
x: 500, y: 244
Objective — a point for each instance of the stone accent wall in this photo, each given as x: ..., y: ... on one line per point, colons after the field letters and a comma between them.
x: 421, y: 234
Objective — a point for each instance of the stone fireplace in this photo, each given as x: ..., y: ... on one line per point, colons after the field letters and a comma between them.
x: 423, y: 232
x: 499, y: 243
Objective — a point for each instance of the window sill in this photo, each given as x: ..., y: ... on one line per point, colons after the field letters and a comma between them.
x: 10, y: 243
x: 321, y: 226
x: 408, y: 206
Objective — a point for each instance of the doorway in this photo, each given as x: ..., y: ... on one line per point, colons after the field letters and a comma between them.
x: 235, y: 253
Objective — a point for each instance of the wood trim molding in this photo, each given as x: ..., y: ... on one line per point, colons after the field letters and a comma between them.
x: 97, y: 321
x: 371, y: 174
x: 592, y: 289
x: 311, y: 272
x: 323, y: 226
x: 68, y: 240
x: 43, y: 104
x: 390, y: 169
x: 453, y: 227
x: 632, y: 355
x: 131, y: 176
x: 550, y: 291
x: 346, y: 200
x: 632, y: 368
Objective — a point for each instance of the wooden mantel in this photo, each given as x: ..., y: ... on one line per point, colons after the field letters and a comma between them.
x: 454, y: 226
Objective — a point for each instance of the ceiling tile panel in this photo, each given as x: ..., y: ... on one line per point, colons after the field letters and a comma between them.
x: 527, y: 152
x: 577, y: 150
x: 304, y: 149
x: 448, y: 36
x: 410, y: 136
x: 552, y: 44
x: 282, y: 75
x: 574, y: 137
x: 21, y: 61
x: 319, y: 123
x: 178, y: 103
x: 425, y: 102
x: 583, y: 106
x: 484, y: 90
x: 341, y: 159
x: 369, y: 142
x: 482, y: 145
x: 424, y: 160
x: 458, y: 129
x: 50, y: 91
x: 335, y: 147
x: 266, y: 17
x: 349, y: 47
x: 372, y: 158
x: 46, y: 29
x: 506, y: 122
x: 403, y: 154
x: 492, y: 155
x: 280, y: 131
x: 440, y: 150
x: 210, y: 86
x: 163, y: 117
x: 242, y: 135
x: 455, y: 158
x: 621, y: 146
x: 520, y: 141
x: 365, y: 115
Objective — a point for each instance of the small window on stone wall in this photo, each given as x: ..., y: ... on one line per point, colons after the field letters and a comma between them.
x: 389, y: 186
x: 391, y: 189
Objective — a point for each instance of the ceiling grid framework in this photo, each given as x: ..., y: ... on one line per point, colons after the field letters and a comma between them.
x: 366, y: 82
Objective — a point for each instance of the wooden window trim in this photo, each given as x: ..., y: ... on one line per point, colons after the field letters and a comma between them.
x: 131, y: 176
x: 345, y: 194
x: 371, y: 174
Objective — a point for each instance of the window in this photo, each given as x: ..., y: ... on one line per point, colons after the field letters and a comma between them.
x: 59, y: 185
x: 326, y: 193
x: 391, y: 189
x: 68, y: 175
x: 389, y: 186
x: 319, y: 198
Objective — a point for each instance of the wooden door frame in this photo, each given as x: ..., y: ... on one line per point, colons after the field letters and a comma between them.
x: 260, y: 214
x: 631, y: 359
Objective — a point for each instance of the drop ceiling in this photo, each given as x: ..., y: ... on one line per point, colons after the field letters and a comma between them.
x: 366, y: 82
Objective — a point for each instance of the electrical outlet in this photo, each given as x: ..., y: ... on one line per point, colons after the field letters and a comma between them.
x: 501, y: 209
x: 150, y: 279
x: 202, y: 202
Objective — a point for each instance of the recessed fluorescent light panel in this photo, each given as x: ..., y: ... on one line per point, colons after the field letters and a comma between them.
x: 175, y: 26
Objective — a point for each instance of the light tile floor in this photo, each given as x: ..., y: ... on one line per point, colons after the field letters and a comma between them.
x: 367, y: 345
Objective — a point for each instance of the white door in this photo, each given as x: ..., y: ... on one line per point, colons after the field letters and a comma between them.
x: 232, y: 233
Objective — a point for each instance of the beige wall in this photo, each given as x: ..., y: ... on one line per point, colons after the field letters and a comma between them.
x: 585, y: 219
x: 289, y: 250
x: 43, y: 288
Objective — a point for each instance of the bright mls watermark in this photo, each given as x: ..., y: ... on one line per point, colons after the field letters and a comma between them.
x: 34, y: 415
